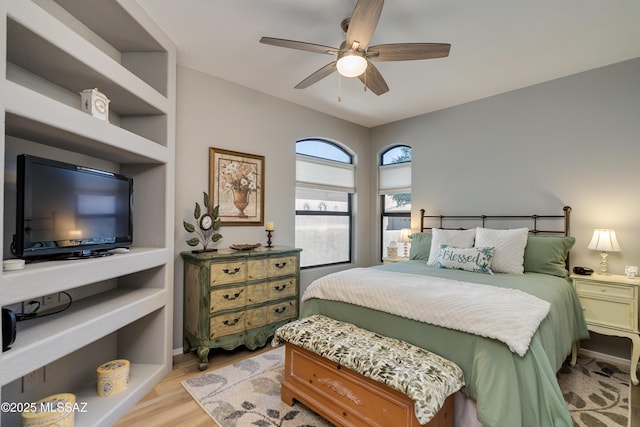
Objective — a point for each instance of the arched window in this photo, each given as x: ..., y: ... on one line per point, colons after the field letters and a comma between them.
x: 395, y: 197
x: 325, y: 183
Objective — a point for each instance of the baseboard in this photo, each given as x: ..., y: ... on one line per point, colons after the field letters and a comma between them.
x: 178, y: 351
x: 604, y: 356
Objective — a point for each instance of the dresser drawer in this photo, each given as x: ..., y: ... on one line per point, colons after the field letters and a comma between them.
x: 608, y: 313
x: 282, y: 288
x: 282, y: 266
x: 604, y: 289
x: 257, y: 293
x: 255, y: 317
x: 226, y: 324
x: 227, y: 272
x: 227, y: 298
x: 258, y: 269
x: 282, y: 311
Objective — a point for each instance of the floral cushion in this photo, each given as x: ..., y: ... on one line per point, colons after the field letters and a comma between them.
x: 469, y: 259
x: 424, y: 377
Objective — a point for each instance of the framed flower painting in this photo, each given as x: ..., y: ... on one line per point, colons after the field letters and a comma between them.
x: 236, y: 184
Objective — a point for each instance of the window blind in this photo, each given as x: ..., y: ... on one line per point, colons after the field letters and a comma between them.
x: 395, y: 178
x: 312, y: 172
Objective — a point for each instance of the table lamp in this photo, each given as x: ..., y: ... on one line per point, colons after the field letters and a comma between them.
x: 604, y: 240
x: 404, y: 238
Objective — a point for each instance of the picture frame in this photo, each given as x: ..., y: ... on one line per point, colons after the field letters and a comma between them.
x: 236, y: 184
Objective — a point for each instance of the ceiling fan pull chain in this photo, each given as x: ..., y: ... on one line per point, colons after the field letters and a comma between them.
x: 339, y: 88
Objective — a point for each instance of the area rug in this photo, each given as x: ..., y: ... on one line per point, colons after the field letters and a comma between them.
x: 247, y: 393
x: 596, y: 392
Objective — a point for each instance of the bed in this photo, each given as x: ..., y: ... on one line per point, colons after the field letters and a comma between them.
x: 503, y: 388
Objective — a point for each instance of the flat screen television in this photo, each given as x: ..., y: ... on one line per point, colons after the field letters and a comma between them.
x: 70, y: 211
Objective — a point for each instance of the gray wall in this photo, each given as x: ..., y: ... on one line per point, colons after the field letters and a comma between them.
x: 215, y: 113
x: 573, y: 141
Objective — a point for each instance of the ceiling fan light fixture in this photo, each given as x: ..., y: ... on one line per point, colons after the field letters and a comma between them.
x: 351, y: 64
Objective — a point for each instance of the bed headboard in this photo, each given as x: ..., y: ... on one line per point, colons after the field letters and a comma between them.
x: 531, y: 221
x: 562, y: 222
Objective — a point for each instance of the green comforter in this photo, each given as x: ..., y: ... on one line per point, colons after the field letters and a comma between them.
x: 509, y: 390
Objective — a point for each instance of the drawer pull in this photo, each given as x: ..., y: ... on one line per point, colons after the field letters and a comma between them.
x: 603, y: 289
x: 280, y: 288
x: 280, y: 264
x: 235, y: 270
x: 280, y: 310
x: 233, y: 322
x: 235, y: 296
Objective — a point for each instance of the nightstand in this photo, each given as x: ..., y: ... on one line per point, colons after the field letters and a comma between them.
x: 610, y: 305
x: 394, y: 260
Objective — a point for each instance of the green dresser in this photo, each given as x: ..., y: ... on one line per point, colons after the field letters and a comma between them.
x: 233, y: 298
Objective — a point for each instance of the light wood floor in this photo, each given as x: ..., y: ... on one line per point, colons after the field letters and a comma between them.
x: 169, y: 404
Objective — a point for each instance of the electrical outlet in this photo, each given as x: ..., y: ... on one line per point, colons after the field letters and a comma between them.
x: 50, y: 300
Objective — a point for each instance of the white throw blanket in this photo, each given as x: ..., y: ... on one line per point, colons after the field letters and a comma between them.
x: 508, y: 315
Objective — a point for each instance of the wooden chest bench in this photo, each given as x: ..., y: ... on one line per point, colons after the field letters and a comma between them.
x: 347, y: 398
x: 354, y: 377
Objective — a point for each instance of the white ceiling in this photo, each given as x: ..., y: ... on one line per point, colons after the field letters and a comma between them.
x: 497, y: 46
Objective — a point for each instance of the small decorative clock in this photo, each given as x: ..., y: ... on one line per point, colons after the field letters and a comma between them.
x: 95, y: 103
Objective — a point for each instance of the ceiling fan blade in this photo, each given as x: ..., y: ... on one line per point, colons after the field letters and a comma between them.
x: 363, y: 22
x: 317, y: 76
x: 374, y: 80
x: 407, y: 51
x: 292, y: 44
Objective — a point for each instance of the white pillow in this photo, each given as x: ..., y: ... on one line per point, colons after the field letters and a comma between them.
x: 509, y: 244
x: 457, y: 238
x: 475, y: 259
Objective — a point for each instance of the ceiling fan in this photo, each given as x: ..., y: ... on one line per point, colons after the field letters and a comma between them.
x: 353, y: 56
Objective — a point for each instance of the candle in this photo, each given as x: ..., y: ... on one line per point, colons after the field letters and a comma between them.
x: 269, y: 226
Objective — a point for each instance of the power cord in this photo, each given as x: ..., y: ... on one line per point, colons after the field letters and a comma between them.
x: 34, y: 314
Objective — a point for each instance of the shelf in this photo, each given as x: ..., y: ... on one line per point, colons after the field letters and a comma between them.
x: 128, y: 42
x: 102, y: 411
x: 42, y: 341
x: 38, y: 118
x: 51, y: 50
x: 43, y: 278
x: 127, y: 36
x: 129, y: 95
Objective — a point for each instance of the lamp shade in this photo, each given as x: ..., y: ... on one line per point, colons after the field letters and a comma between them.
x: 604, y: 240
x: 404, y: 235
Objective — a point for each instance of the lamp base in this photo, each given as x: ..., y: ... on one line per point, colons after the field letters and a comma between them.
x: 604, y: 265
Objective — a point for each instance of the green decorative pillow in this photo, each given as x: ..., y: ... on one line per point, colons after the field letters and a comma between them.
x: 420, y: 246
x: 547, y: 254
x: 476, y: 259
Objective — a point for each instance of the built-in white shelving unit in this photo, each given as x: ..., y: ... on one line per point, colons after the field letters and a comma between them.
x: 51, y: 51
